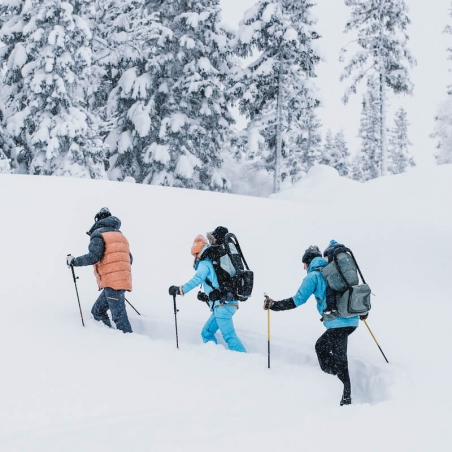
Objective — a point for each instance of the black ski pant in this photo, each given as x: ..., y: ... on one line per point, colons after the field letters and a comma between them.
x: 331, y: 349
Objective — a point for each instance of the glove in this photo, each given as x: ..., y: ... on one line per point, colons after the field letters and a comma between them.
x: 364, y: 317
x: 70, y: 260
x: 174, y: 290
x: 268, y: 303
x: 203, y: 296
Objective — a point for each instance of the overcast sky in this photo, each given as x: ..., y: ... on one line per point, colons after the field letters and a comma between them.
x: 431, y: 76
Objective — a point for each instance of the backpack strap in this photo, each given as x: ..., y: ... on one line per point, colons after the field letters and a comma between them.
x: 208, y: 253
x: 357, y: 266
x: 228, y: 237
x: 207, y: 281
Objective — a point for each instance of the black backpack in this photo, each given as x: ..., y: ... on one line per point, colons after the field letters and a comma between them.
x: 342, y: 276
x: 234, y: 276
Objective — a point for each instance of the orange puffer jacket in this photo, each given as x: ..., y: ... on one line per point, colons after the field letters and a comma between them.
x: 114, y: 269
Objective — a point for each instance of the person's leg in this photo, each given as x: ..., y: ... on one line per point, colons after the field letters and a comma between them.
x: 331, y: 349
x: 100, y: 308
x: 341, y: 361
x: 223, y: 315
x: 323, y: 349
x: 327, y: 310
x: 334, y: 296
x: 331, y: 305
x: 117, y: 305
x: 209, y: 330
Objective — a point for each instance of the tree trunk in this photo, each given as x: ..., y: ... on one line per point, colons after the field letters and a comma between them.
x: 277, y: 175
x: 383, y: 145
x: 383, y: 139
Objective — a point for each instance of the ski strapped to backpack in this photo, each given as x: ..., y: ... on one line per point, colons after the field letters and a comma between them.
x: 341, y: 275
x: 234, y: 276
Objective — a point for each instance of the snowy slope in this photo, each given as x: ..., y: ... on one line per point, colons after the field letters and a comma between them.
x: 65, y: 387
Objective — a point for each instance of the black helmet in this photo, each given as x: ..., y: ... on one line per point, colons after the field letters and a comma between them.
x: 103, y: 213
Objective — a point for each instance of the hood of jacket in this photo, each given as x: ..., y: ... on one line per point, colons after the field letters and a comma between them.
x: 199, y: 257
x: 109, y: 222
x: 316, y: 263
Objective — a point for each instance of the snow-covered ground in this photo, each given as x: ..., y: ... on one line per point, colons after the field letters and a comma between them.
x: 68, y: 388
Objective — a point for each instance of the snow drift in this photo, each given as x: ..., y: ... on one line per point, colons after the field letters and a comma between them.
x: 65, y: 387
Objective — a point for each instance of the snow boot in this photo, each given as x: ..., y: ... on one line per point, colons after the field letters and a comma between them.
x: 346, y: 400
x: 346, y: 395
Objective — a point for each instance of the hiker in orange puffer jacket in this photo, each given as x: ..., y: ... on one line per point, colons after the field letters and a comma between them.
x: 110, y: 255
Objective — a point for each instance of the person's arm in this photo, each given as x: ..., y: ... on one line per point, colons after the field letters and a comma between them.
x: 96, y: 251
x: 283, y: 305
x: 306, y: 289
x: 199, y: 277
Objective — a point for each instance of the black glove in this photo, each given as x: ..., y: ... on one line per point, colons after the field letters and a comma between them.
x: 174, y: 290
x: 364, y: 317
x: 203, y: 296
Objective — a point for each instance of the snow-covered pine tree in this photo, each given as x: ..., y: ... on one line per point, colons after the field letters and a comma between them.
x: 443, y: 120
x: 399, y: 144
x: 342, y: 163
x: 5, y: 166
x: 14, y: 16
x: 194, y: 118
x: 275, y: 91
x: 383, y: 54
x: 443, y: 132
x: 128, y: 37
x: 355, y: 169
x: 48, y: 116
x: 5, y: 153
x: 368, y: 159
x: 114, y: 50
x: 173, y: 112
x: 335, y: 153
x: 309, y: 140
x: 327, y: 149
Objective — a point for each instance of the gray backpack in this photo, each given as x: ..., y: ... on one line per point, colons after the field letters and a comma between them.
x: 341, y: 275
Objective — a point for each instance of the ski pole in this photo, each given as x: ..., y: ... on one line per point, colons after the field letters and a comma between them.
x: 175, y: 319
x: 76, y: 291
x: 376, y: 341
x: 268, y: 321
x: 132, y: 306
x: 268, y: 330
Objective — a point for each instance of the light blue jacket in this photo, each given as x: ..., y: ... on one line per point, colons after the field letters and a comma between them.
x: 314, y: 284
x: 204, y: 270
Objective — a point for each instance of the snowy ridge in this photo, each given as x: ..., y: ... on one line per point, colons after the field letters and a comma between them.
x: 65, y: 387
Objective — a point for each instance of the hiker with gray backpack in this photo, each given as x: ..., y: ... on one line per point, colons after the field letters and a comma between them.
x: 225, y: 282
x: 341, y: 318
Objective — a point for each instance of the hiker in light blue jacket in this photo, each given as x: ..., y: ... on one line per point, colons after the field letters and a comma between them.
x: 331, y: 347
x: 222, y: 311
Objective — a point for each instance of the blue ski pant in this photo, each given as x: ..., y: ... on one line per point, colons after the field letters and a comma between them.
x: 115, y: 301
x: 221, y: 319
